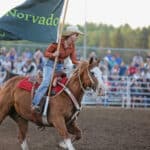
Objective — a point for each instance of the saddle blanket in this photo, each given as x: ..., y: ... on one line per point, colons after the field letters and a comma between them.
x: 27, y: 85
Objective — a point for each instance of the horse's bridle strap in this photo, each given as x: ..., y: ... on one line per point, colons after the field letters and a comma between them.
x: 81, y: 82
x: 71, y: 96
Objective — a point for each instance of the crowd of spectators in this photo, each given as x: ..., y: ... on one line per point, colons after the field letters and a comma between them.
x: 112, y: 66
x: 27, y: 63
x: 119, y: 73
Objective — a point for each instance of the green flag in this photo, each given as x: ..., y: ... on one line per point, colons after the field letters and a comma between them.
x: 34, y: 20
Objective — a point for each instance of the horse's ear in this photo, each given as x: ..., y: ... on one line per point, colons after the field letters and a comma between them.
x: 91, y: 60
x: 98, y: 60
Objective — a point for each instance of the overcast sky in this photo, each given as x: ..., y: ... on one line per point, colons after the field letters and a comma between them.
x: 111, y: 12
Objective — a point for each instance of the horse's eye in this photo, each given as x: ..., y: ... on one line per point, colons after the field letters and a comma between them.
x: 92, y: 73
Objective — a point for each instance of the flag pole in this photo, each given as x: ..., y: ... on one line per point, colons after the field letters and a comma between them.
x: 58, y: 46
x: 44, y: 114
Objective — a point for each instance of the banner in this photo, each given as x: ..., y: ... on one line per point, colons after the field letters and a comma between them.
x: 34, y: 20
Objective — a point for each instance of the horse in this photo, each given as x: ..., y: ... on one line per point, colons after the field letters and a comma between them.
x: 16, y: 103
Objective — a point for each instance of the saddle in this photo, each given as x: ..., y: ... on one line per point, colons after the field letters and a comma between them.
x: 31, y: 83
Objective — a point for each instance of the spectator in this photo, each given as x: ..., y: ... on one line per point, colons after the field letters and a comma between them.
x: 27, y: 55
x: 38, y: 57
x: 147, y: 63
x: 3, y: 52
x: 122, y: 69
x: 29, y: 68
x: 12, y: 56
x: 2, y: 58
x: 115, y: 70
x: 131, y: 70
x: 109, y: 55
x: 118, y: 59
x: 147, y: 74
x: 6, y: 64
x: 103, y: 65
x: 19, y: 65
x: 112, y: 63
x: 137, y: 60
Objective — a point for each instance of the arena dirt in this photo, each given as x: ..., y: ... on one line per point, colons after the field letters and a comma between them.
x: 103, y: 129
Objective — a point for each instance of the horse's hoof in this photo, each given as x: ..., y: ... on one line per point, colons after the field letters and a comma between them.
x: 62, y: 145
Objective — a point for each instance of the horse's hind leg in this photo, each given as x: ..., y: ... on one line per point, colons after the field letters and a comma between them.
x: 3, y: 114
x: 4, y: 109
x: 23, y: 128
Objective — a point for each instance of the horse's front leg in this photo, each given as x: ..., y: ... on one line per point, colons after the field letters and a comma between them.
x: 75, y: 130
x: 59, y: 124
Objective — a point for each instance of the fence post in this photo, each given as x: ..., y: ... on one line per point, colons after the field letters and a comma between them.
x: 128, y: 104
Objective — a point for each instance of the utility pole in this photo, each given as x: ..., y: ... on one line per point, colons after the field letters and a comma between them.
x: 85, y: 31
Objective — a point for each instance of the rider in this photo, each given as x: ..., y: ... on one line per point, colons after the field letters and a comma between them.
x: 67, y: 48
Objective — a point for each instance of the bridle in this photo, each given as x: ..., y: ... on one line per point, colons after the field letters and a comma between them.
x: 74, y: 100
x: 81, y: 84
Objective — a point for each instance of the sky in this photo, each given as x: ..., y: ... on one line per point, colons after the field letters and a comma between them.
x: 110, y: 12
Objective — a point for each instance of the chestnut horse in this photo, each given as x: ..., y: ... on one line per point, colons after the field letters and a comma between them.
x: 16, y: 103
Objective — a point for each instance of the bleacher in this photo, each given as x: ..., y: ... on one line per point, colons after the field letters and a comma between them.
x: 123, y: 92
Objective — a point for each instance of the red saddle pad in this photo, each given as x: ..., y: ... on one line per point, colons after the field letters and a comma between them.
x: 27, y: 85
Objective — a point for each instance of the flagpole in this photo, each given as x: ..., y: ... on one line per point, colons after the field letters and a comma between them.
x: 58, y: 46
x: 85, y: 31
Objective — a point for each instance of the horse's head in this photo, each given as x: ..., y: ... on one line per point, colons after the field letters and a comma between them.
x: 92, y: 76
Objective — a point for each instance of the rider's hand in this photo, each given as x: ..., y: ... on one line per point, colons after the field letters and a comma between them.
x: 56, y: 53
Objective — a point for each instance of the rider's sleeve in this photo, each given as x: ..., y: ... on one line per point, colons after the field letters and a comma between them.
x: 73, y: 56
x: 50, y: 50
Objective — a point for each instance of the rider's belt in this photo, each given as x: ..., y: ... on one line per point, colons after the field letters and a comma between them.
x: 58, y: 61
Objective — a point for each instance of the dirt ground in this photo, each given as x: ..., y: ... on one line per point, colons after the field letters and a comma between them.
x: 103, y: 129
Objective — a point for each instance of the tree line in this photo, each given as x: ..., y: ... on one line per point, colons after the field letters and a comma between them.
x: 102, y: 35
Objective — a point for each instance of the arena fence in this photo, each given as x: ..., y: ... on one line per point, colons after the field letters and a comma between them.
x: 122, y: 91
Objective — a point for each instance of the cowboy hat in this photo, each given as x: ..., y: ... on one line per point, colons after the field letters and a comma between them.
x: 71, y: 30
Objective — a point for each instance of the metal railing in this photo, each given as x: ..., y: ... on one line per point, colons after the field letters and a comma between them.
x: 122, y: 91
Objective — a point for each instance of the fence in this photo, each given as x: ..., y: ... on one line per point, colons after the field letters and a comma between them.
x: 122, y: 91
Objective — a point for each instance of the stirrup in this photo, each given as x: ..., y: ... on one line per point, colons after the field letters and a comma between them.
x: 36, y: 108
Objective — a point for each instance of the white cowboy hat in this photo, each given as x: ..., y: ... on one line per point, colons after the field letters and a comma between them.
x: 71, y: 30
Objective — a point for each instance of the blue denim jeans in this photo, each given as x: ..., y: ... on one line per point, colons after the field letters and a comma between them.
x: 47, y: 73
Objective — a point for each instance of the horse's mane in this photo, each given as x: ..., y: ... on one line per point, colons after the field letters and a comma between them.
x: 78, y: 71
x: 81, y: 67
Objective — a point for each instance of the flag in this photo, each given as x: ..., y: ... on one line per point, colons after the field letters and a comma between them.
x: 34, y: 20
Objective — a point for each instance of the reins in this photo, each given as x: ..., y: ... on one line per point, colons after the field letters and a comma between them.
x: 81, y: 85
